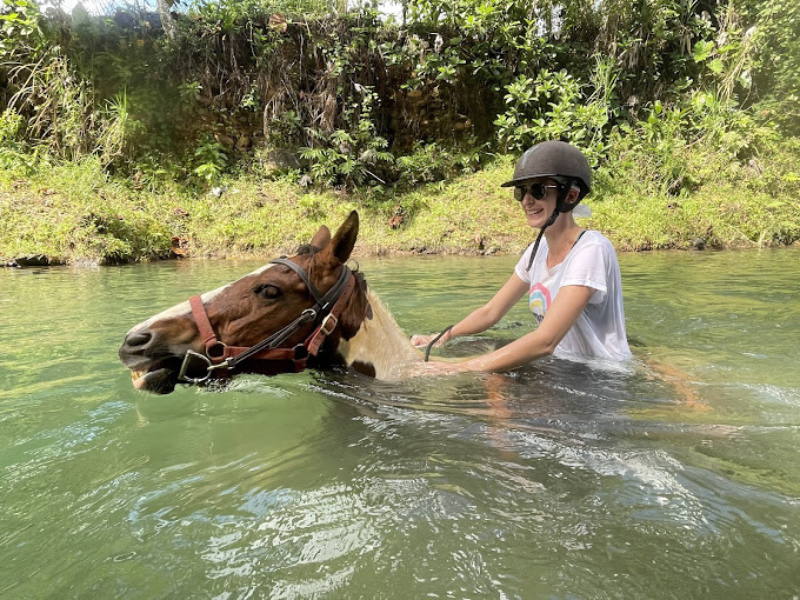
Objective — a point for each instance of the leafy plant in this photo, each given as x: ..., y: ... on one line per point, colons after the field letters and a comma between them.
x: 210, y: 159
x: 432, y: 162
x: 13, y: 154
x: 350, y: 159
x: 776, y: 69
x: 118, y: 131
x: 20, y: 22
x: 553, y: 106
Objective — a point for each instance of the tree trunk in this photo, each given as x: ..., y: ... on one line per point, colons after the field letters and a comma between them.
x: 166, y: 18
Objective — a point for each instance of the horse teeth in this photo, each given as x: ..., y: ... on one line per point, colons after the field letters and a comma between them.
x: 137, y: 374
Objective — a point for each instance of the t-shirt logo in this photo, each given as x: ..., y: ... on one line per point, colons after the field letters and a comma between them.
x: 539, y: 301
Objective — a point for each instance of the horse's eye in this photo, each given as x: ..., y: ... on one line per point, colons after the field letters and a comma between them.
x: 270, y: 292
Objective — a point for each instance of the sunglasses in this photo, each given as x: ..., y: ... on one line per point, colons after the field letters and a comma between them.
x: 536, y: 190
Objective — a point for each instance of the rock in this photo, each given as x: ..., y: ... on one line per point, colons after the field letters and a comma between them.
x: 276, y: 159
x: 30, y: 260
x: 225, y: 140
x: 305, y: 181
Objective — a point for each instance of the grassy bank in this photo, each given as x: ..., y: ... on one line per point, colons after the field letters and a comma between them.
x: 75, y: 214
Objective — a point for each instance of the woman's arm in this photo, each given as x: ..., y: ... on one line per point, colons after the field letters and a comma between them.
x: 560, y: 317
x: 484, y: 317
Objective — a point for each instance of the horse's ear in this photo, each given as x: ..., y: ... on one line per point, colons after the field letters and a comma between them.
x: 322, y: 238
x: 345, y: 238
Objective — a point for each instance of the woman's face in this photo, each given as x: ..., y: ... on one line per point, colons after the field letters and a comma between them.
x: 538, y: 210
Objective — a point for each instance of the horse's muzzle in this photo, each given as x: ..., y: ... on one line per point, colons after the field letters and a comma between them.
x: 151, y: 370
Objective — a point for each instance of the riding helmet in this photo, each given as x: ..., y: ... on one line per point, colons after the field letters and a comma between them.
x: 553, y: 159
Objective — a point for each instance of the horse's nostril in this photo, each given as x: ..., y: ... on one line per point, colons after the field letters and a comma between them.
x: 136, y: 340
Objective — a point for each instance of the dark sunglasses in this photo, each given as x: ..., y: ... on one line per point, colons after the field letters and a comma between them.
x: 536, y: 190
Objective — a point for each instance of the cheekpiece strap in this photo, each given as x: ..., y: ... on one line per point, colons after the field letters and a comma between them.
x: 203, y: 324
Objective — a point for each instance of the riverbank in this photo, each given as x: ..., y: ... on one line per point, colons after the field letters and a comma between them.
x: 75, y: 214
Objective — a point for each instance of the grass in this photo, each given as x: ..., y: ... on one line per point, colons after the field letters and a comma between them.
x: 75, y: 213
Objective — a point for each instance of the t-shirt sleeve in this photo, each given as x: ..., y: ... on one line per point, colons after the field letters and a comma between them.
x: 589, y: 267
x: 521, y: 270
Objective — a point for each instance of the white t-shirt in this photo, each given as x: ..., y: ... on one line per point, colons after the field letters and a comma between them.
x: 592, y: 262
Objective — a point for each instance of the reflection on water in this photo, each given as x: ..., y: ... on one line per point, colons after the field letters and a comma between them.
x: 676, y: 477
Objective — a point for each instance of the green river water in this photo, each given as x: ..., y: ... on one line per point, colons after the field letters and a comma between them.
x: 678, y: 477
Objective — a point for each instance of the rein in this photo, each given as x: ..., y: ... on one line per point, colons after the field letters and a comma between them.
x: 434, y: 340
x: 221, y: 357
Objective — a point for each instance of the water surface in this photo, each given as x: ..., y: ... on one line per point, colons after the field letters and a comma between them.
x: 678, y: 477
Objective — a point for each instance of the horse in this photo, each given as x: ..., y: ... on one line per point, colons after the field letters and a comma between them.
x: 307, y: 311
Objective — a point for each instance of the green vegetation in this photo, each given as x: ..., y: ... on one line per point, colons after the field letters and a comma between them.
x: 241, y: 126
x: 74, y: 212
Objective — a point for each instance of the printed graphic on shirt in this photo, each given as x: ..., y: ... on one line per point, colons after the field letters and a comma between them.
x: 539, y: 301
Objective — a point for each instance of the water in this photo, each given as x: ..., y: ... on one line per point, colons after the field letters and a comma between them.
x: 679, y: 478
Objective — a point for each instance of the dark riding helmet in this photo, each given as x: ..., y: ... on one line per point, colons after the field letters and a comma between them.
x: 555, y: 159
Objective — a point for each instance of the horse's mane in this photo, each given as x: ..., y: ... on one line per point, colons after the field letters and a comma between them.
x: 306, y: 250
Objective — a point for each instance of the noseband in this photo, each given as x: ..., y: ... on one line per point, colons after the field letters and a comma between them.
x: 220, y: 360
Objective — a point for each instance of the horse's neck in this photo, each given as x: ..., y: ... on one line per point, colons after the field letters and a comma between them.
x: 381, y: 343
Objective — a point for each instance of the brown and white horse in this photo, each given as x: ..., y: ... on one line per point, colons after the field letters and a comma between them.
x: 309, y: 309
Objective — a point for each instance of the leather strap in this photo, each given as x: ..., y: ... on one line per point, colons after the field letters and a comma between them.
x: 331, y: 321
x: 303, y: 277
x: 203, y: 324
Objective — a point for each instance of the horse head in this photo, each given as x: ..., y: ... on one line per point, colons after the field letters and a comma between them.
x: 273, y: 320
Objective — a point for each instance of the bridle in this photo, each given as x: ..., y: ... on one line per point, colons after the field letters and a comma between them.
x: 221, y: 360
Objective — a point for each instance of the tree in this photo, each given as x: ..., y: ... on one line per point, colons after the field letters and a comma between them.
x: 166, y: 18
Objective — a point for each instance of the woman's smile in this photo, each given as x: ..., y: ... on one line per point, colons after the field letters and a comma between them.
x: 535, y: 209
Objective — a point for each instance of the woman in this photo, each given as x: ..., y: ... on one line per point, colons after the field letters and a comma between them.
x: 571, y: 276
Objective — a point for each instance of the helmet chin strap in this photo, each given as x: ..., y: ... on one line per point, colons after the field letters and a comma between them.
x: 547, y: 224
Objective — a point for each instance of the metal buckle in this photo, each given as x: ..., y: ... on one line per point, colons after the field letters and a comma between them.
x: 216, y: 350
x: 323, y: 325
x: 192, y: 356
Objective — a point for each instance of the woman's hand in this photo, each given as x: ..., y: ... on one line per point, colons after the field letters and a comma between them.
x: 422, y: 341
